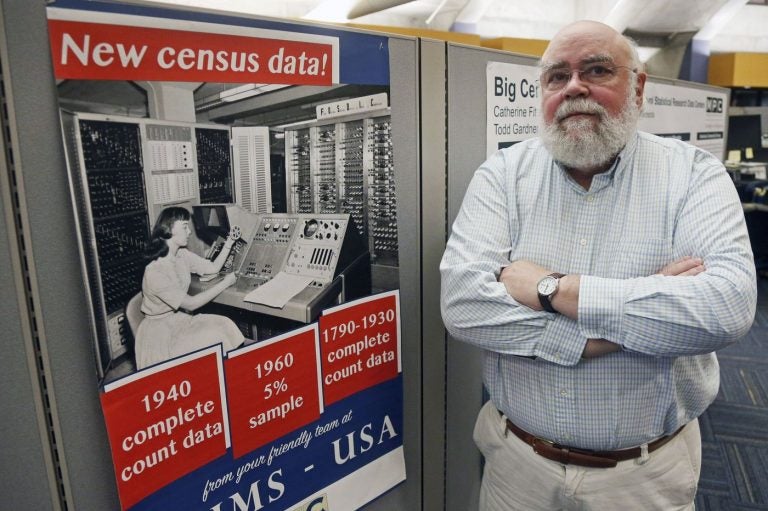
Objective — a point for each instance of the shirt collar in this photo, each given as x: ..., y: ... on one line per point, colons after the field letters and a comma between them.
x: 624, y: 156
x: 619, y: 163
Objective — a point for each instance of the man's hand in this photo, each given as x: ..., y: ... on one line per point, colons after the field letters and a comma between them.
x: 684, y: 267
x: 598, y: 348
x: 521, y: 278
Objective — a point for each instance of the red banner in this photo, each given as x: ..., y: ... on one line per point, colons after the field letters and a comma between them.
x: 273, y: 388
x: 360, y: 345
x: 93, y: 51
x: 165, y: 424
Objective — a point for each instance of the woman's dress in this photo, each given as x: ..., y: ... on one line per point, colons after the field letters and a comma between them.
x: 167, y: 332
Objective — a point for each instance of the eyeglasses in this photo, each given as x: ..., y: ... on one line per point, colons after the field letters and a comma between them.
x: 593, y: 74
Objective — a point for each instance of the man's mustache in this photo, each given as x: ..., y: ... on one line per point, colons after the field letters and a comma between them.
x: 578, y: 106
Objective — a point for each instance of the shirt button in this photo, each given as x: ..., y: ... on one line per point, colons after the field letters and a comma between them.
x: 582, y: 242
x: 564, y: 393
x: 590, y: 198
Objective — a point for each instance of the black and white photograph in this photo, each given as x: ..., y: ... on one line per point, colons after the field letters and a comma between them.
x: 267, y: 204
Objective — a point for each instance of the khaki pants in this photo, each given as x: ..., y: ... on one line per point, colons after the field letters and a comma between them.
x: 516, y: 478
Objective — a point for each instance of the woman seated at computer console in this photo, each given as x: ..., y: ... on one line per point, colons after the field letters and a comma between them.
x: 167, y: 331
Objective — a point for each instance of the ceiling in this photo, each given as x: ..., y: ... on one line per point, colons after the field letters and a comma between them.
x: 728, y: 25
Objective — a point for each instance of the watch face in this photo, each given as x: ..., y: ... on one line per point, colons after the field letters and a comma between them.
x: 547, y: 286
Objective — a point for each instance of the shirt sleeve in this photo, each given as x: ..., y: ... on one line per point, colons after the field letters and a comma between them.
x: 674, y: 315
x: 476, y: 308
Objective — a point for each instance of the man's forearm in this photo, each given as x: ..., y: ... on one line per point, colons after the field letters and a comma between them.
x: 520, y: 278
x: 566, y: 300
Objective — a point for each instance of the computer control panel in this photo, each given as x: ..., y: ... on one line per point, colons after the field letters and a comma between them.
x: 308, y: 245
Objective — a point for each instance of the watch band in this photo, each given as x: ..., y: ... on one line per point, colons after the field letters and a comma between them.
x: 545, y: 300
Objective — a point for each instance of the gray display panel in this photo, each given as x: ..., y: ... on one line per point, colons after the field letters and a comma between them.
x: 433, y: 228
x: 23, y: 431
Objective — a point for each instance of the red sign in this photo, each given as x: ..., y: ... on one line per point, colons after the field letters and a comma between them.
x: 165, y: 423
x: 360, y: 345
x: 273, y: 388
x: 93, y: 51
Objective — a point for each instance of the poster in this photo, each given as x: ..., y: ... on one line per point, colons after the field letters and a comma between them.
x: 275, y: 139
x: 696, y: 116
x: 513, y: 104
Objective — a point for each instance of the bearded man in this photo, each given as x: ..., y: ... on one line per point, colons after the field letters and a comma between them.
x: 599, y: 268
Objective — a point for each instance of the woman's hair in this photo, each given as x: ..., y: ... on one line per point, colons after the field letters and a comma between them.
x: 157, y: 246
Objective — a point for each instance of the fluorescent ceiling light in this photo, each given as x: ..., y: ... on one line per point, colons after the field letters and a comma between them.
x: 719, y: 20
x: 434, y: 13
x: 646, y: 52
x: 332, y: 11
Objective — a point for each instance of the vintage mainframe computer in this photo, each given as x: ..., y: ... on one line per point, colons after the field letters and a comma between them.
x: 321, y: 253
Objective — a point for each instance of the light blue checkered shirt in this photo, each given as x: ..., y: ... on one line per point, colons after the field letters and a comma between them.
x: 662, y: 200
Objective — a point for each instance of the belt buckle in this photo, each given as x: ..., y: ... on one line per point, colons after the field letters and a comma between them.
x: 537, y: 440
x: 565, y: 455
x: 551, y: 450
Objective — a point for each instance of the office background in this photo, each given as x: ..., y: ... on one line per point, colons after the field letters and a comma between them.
x: 54, y: 427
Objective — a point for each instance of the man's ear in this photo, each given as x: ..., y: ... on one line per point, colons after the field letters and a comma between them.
x: 640, y: 88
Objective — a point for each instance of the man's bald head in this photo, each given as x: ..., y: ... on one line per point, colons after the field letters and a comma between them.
x: 580, y: 32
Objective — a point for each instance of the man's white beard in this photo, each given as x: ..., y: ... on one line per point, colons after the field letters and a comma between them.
x: 584, y: 144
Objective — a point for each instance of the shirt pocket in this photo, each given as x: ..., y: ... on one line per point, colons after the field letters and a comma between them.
x: 641, y: 257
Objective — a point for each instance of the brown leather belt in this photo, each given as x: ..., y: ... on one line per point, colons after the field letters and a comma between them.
x: 582, y: 457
